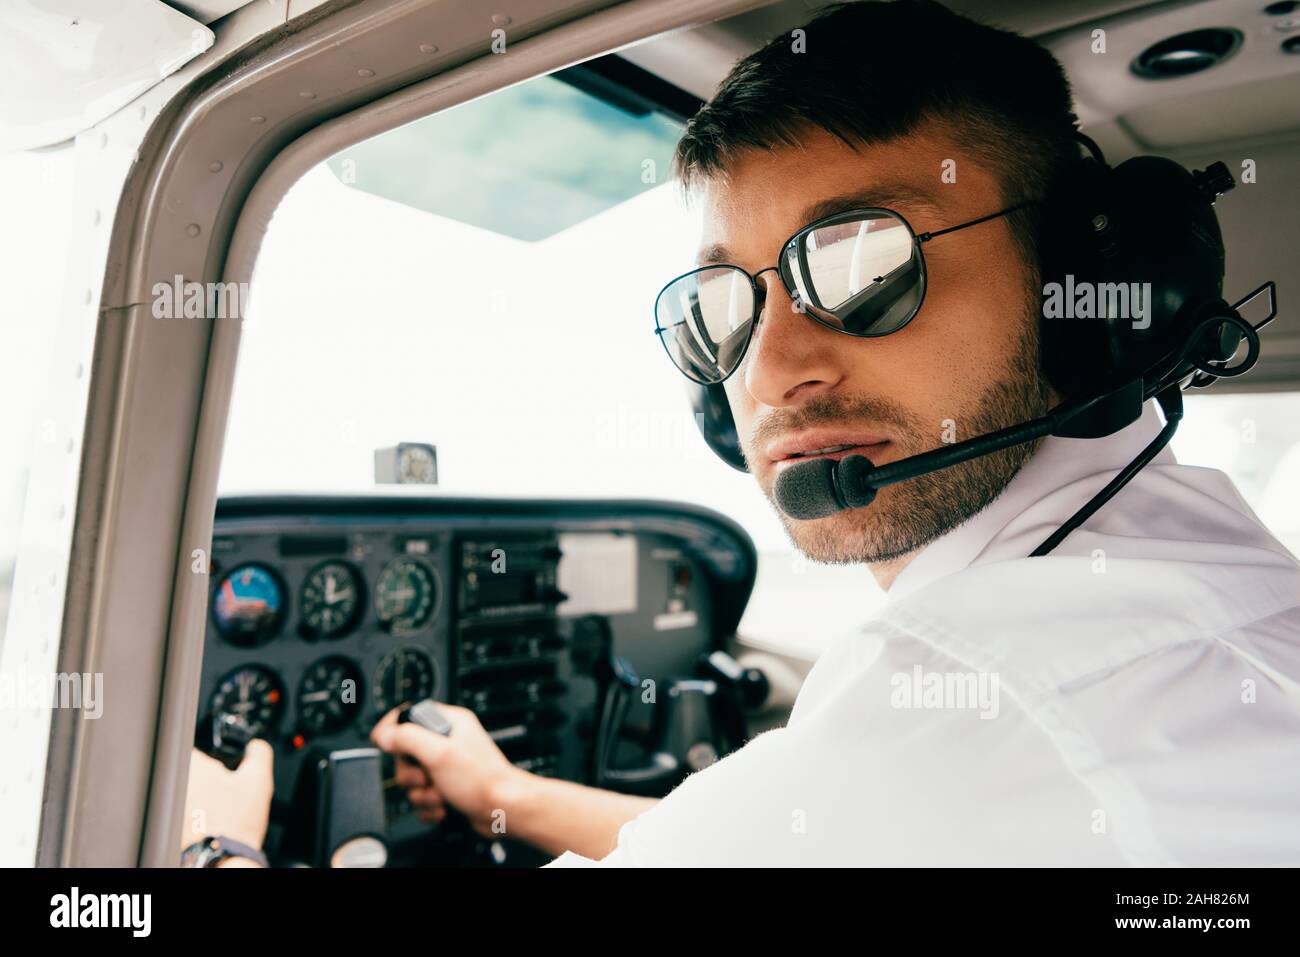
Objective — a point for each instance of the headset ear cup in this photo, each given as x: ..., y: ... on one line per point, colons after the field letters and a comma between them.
x: 713, y: 418
x: 1076, y: 354
x: 1133, y: 254
x: 1179, y: 258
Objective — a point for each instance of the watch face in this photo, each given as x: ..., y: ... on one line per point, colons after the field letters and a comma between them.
x: 192, y: 855
x: 211, y: 851
x: 204, y: 853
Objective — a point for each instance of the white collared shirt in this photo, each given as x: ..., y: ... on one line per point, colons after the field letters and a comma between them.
x: 1133, y: 698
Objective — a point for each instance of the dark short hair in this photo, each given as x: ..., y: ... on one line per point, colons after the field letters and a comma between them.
x: 870, y: 72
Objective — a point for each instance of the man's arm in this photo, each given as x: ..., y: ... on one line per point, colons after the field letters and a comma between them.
x: 234, y: 804
x: 559, y: 816
x: 467, y: 771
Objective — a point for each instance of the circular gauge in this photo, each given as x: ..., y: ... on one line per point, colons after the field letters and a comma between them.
x: 405, y: 676
x: 248, y: 605
x: 252, y: 694
x: 416, y: 465
x: 406, y: 595
x: 331, y: 600
x: 329, y: 695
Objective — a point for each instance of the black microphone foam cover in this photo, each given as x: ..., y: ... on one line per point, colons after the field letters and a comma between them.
x: 806, y: 490
x: 851, y: 481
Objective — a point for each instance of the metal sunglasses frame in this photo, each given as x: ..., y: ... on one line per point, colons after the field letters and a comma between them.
x: 782, y: 266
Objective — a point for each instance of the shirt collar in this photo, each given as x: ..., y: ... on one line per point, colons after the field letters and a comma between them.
x: 1057, y: 466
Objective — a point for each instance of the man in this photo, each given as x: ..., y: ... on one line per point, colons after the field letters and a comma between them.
x: 1131, y: 699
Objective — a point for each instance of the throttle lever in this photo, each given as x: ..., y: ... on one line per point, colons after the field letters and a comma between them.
x: 744, y: 689
x: 749, y: 684
x: 427, y: 715
x: 226, y: 739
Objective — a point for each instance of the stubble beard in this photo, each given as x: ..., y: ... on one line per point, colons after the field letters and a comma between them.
x: 910, y: 515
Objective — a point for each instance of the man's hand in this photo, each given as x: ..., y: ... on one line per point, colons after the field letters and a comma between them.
x: 465, y: 770
x: 224, y: 803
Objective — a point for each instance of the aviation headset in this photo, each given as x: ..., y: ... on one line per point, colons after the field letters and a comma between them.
x: 1148, y: 220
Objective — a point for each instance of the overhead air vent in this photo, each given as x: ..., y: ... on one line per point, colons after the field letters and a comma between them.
x: 1187, y: 53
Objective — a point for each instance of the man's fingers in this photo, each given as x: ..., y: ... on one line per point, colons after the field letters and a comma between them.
x: 434, y: 816
x: 410, y: 775
x: 425, y: 798
x: 387, y: 721
x: 201, y: 759
x: 425, y: 746
x: 259, y: 759
x: 457, y: 715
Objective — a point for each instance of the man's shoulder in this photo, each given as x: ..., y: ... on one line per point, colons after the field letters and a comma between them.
x: 1061, y: 617
x: 1165, y: 687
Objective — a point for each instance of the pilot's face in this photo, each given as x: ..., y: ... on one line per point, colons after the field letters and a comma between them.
x: 966, y: 364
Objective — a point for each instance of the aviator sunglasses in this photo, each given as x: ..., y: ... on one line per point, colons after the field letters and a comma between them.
x: 859, y: 272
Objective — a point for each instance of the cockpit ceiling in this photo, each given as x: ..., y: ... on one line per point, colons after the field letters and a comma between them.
x: 1251, y: 94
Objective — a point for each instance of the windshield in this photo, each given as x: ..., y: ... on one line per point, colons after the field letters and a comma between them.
x: 483, y: 280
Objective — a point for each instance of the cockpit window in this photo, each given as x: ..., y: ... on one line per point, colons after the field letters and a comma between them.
x: 526, y: 162
x: 481, y: 281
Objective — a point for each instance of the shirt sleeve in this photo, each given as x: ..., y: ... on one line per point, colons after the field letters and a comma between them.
x: 862, y: 779
x: 570, y: 859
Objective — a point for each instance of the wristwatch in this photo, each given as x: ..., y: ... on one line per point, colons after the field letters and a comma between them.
x: 211, y: 851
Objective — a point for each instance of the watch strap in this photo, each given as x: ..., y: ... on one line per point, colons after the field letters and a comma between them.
x: 212, y: 850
